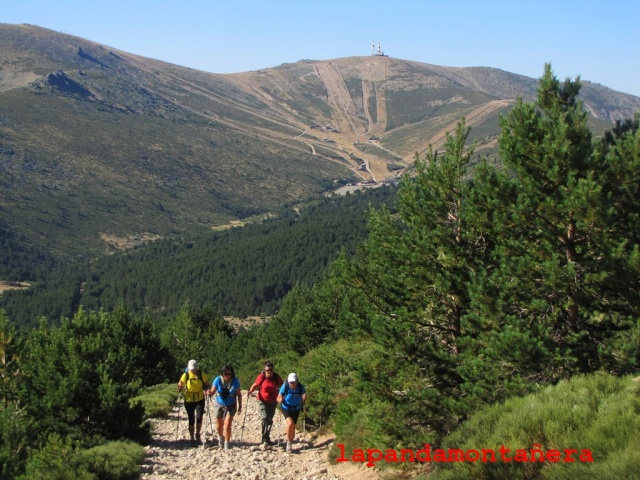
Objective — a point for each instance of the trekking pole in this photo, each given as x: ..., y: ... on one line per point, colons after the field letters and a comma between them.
x: 203, y: 437
x: 244, y: 418
x: 280, y: 426
x: 304, y: 426
x: 178, y: 425
x: 210, y: 422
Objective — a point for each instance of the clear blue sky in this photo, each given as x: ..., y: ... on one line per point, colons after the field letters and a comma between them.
x: 596, y: 39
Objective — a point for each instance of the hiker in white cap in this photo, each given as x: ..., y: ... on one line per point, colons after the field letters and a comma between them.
x: 292, y: 397
x: 194, y: 382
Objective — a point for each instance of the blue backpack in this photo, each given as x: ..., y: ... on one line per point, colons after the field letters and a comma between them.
x: 298, y: 391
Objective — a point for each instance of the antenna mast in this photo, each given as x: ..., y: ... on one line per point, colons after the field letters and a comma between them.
x: 379, y: 53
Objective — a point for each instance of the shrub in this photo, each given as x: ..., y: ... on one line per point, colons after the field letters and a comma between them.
x: 599, y: 413
x: 112, y: 461
x: 329, y: 373
x: 157, y: 400
x: 358, y: 421
x: 60, y: 460
x: 55, y: 461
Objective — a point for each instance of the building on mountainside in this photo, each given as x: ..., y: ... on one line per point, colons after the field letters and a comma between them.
x: 378, y: 53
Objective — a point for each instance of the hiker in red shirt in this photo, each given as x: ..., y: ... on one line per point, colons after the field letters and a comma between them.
x: 268, y: 384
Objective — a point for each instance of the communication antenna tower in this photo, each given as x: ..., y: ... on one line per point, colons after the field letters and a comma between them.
x: 378, y: 53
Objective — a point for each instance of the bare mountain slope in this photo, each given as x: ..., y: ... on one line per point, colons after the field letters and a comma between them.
x: 96, y: 143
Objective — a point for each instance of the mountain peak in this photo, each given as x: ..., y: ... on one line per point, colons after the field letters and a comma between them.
x: 99, y: 141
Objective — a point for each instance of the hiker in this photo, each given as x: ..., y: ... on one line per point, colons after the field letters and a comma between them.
x: 267, y: 383
x: 194, y: 382
x: 226, y: 387
x: 292, y: 397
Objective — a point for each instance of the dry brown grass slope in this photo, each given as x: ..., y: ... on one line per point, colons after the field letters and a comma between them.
x: 98, y: 143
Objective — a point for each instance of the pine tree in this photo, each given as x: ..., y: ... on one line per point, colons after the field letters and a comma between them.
x: 553, y: 236
x: 617, y: 158
x: 487, y: 285
x: 416, y: 268
x: 80, y: 375
x: 14, y: 422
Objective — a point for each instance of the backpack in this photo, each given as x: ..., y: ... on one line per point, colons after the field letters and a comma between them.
x: 189, y: 379
x: 224, y: 393
x: 287, y: 389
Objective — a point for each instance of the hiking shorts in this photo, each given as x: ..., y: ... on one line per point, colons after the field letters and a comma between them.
x: 195, y: 410
x: 224, y: 410
x: 291, y: 413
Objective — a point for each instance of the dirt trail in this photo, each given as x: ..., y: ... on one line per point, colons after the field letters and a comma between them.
x: 169, y: 456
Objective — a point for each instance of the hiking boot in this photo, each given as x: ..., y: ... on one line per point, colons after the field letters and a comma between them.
x: 288, y: 449
x: 221, y: 442
x: 226, y: 446
x: 198, y: 439
x: 192, y: 443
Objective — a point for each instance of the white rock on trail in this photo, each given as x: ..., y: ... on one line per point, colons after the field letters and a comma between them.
x: 170, y: 457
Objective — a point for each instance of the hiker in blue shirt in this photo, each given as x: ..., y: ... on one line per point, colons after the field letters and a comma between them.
x: 292, y: 397
x: 226, y: 387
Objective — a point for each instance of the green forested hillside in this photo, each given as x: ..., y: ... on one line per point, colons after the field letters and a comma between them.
x: 241, y: 271
x: 19, y: 260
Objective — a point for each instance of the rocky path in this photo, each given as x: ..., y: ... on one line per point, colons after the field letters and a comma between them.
x: 170, y: 457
